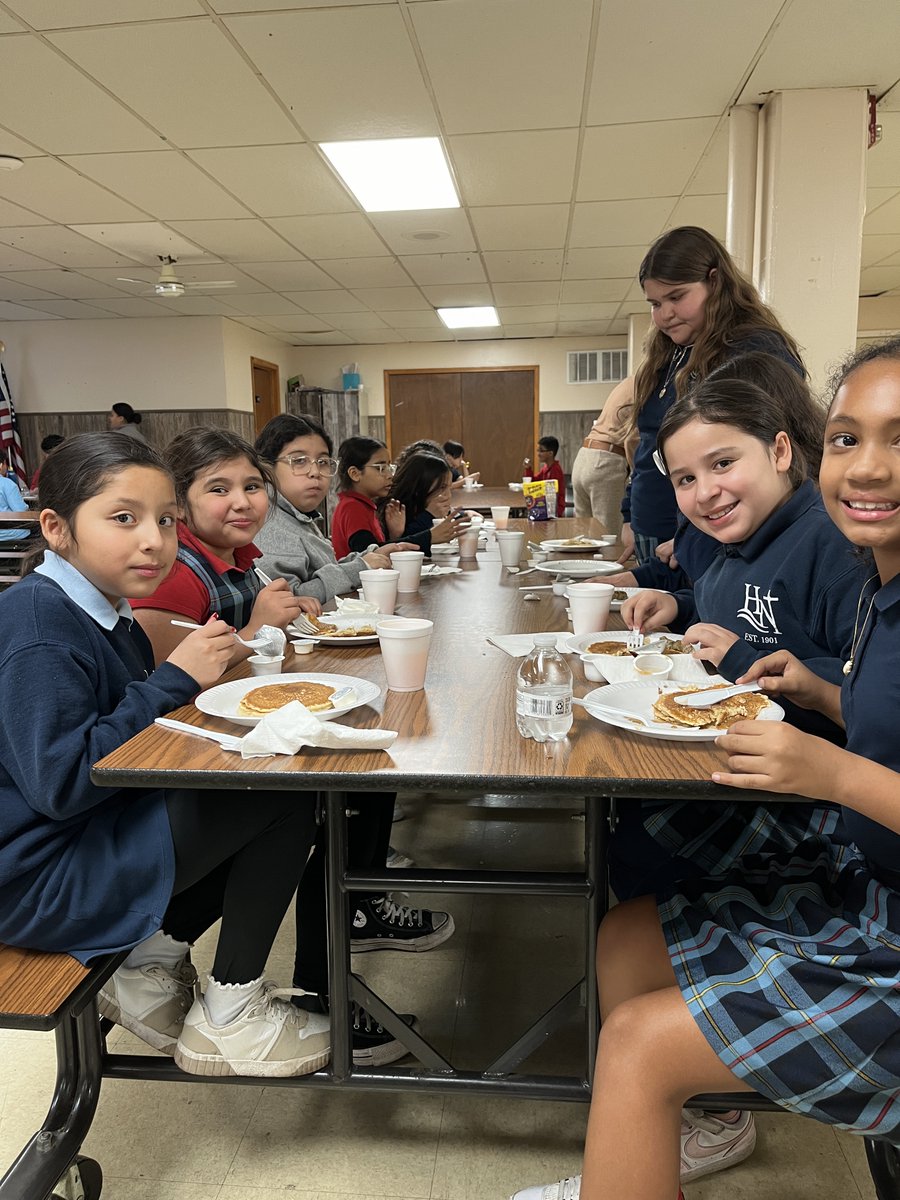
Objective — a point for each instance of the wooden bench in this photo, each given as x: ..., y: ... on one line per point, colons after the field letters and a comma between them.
x: 54, y: 992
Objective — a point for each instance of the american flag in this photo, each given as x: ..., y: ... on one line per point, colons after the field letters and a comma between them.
x: 10, y: 445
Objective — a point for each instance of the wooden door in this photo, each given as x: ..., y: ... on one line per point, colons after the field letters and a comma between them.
x: 266, y: 392
x: 493, y: 412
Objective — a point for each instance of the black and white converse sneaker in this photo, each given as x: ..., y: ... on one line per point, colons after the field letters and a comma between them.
x: 373, y: 1046
x: 382, y: 924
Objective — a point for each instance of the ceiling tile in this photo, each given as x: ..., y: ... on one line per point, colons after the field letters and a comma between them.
x: 376, y: 337
x: 647, y: 159
x: 163, y: 183
x: 136, y: 307
x: 711, y: 173
x: 254, y: 323
x: 245, y: 6
x: 608, y: 262
x: 67, y: 114
x: 875, y: 280
x: 391, y: 299
x: 354, y: 322
x: 13, y: 214
x: 366, y: 272
x: 333, y: 338
x: 617, y: 329
x: 335, y: 235
x: 878, y: 247
x: 62, y: 246
x: 55, y: 190
x: 9, y: 24
x: 504, y: 168
x: 70, y: 284
x: 454, y: 295
x: 18, y: 146
x: 143, y: 241
x: 198, y: 61
x: 882, y: 160
x: 538, y: 329
x: 426, y: 335
x: 196, y: 304
x: 330, y: 301
x: 416, y: 319
x: 526, y: 293
x: 587, y: 312
x: 582, y: 291
x: 884, y: 219
x: 289, y: 276
x: 262, y: 304
x: 18, y: 312
x: 13, y: 259
x: 327, y: 66
x: 444, y: 268
x: 668, y: 34
x: 505, y: 65
x: 709, y: 212
x: 620, y: 222
x: 528, y: 314
x: 582, y: 328
x: 72, y: 309
x: 523, y: 264
x: 521, y: 227
x: 875, y: 197
x: 412, y: 232
x: 277, y: 180
x: 238, y: 241
x: 60, y: 14
x: 299, y: 323
x: 13, y: 290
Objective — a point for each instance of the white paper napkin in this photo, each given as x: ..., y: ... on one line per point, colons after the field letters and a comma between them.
x: 518, y: 645
x: 349, y: 606
x: 436, y: 570
x: 292, y: 727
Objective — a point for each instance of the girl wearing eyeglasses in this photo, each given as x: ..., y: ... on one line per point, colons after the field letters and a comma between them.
x: 365, y: 473
x: 223, y: 490
x: 299, y: 452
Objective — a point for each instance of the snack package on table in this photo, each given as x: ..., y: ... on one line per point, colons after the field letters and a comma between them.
x: 540, y: 499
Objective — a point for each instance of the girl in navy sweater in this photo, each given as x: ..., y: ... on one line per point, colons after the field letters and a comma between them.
x: 88, y: 870
x: 422, y: 488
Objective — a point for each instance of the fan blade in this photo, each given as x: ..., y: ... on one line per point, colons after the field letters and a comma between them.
x: 212, y: 283
x: 125, y: 279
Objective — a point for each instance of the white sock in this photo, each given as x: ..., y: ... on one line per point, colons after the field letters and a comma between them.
x: 226, y: 1001
x: 157, y: 948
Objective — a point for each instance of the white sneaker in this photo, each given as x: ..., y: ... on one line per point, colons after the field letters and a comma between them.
x: 566, y: 1189
x: 397, y: 860
x: 709, y: 1144
x: 151, y: 1001
x: 272, y: 1038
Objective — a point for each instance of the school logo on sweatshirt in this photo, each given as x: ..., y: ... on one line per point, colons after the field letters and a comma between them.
x: 758, y: 610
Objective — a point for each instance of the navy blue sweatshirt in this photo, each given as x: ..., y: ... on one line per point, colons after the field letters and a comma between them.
x: 649, y: 501
x: 793, y: 585
x: 83, y: 869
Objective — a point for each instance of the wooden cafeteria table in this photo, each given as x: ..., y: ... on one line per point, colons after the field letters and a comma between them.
x: 459, y: 734
x: 483, y: 499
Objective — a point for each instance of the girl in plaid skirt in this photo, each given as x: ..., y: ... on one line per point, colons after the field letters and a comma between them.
x: 780, y: 975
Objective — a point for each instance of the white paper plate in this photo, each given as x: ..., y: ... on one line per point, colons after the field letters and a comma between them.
x: 223, y: 700
x: 577, y: 568
x: 563, y: 546
x: 351, y: 621
x: 618, y: 669
x: 636, y: 699
x: 515, y: 487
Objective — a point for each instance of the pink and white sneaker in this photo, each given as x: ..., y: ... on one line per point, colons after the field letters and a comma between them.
x: 709, y: 1144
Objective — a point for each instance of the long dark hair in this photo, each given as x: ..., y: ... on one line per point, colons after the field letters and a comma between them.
x: 355, y: 452
x: 734, y: 309
x: 417, y: 477
x: 888, y: 349
x: 203, y: 446
x: 127, y: 413
x: 80, y: 469
x: 762, y: 412
x: 422, y: 446
x: 284, y: 429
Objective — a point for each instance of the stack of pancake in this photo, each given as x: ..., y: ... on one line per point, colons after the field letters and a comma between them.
x: 722, y: 715
x: 267, y: 698
x: 620, y: 650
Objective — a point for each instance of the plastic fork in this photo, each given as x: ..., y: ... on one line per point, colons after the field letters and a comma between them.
x: 226, y: 740
x: 634, y: 640
x: 304, y: 624
x: 251, y: 644
x: 600, y: 709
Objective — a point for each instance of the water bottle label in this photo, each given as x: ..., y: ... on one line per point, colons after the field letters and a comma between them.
x: 529, y: 704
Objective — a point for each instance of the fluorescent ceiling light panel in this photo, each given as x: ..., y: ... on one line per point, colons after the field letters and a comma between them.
x: 469, y: 318
x: 394, y: 174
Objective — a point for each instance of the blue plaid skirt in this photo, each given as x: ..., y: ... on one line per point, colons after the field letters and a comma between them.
x: 790, y: 965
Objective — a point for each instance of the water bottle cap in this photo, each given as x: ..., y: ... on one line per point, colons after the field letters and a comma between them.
x: 545, y: 639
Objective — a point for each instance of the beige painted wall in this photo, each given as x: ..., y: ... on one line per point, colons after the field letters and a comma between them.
x: 240, y: 345
x: 321, y: 366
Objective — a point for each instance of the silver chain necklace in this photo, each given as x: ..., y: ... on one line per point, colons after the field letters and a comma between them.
x: 677, y: 359
x: 857, y: 632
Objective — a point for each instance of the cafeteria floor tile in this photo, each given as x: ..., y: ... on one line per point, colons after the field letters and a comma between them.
x: 508, y: 959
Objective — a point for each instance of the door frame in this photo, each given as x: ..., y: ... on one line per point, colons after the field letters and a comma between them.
x: 271, y: 369
x: 535, y: 385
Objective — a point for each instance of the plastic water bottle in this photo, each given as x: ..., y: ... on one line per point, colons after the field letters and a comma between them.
x: 544, y: 692
x: 526, y: 471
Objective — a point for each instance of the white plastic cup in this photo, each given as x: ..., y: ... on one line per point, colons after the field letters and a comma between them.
x: 510, y: 542
x: 408, y: 565
x: 468, y: 542
x: 404, y: 651
x: 265, y: 666
x: 303, y: 646
x: 590, y: 606
x: 654, y: 666
x: 380, y: 587
x: 500, y: 513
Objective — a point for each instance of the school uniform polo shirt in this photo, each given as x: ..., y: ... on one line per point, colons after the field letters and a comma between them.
x: 201, y: 584
x: 355, y: 525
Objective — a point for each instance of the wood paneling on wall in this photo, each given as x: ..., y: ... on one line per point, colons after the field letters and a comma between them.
x: 158, y: 426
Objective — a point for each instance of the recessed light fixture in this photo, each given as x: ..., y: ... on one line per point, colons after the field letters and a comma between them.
x: 9, y: 163
x: 478, y: 317
x: 394, y: 174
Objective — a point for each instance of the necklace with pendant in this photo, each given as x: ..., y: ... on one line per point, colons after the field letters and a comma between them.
x: 857, y: 632
x: 677, y: 359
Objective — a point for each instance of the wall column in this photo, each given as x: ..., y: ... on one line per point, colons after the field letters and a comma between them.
x: 743, y: 148
x: 811, y: 209
x: 638, y: 324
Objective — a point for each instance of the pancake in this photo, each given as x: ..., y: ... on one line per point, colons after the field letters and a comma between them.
x: 722, y: 715
x: 352, y: 631
x: 269, y: 697
x: 618, y: 649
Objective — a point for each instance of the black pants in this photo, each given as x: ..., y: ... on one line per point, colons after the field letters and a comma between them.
x: 368, y: 837
x: 238, y: 856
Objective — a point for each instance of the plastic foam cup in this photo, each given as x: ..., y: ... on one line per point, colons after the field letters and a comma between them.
x: 404, y: 645
x: 510, y: 543
x: 500, y: 513
x: 468, y: 542
x: 380, y: 587
x: 590, y: 606
x: 265, y: 666
x: 408, y: 565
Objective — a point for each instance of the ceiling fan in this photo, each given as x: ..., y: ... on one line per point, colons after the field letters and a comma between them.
x: 170, y: 285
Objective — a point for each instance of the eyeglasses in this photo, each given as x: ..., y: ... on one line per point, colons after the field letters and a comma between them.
x: 383, y: 468
x: 302, y: 464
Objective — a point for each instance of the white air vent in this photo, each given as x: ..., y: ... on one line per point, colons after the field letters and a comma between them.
x: 583, y: 366
x: 613, y: 366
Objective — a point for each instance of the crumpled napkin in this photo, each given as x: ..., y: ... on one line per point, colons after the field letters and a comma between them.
x: 434, y: 569
x: 350, y: 606
x: 518, y: 645
x: 277, y: 638
x: 288, y: 729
